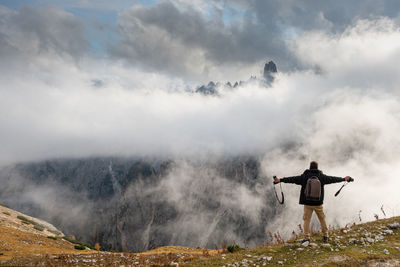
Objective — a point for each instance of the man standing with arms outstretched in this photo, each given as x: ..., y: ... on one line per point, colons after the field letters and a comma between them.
x: 312, y: 183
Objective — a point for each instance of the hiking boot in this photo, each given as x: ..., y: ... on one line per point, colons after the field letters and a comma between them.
x: 325, y: 239
x: 305, y: 240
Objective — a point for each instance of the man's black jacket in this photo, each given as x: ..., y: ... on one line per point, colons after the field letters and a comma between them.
x: 302, y: 180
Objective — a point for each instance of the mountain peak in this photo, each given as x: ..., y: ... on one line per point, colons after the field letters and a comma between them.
x: 269, y: 71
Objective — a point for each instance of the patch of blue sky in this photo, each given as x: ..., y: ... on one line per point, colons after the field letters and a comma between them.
x: 100, y: 17
x: 16, y: 4
x: 116, y: 5
x: 233, y: 14
x: 288, y: 32
x: 100, y: 27
x: 229, y: 13
x: 148, y: 2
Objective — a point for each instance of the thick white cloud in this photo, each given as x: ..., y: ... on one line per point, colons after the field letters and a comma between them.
x: 53, y: 109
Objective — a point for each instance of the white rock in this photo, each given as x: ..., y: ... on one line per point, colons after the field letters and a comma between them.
x: 269, y: 258
x: 326, y: 245
x: 386, y: 251
x: 300, y: 249
x: 370, y: 240
x: 313, y: 245
x: 394, y: 225
x: 305, y: 244
x: 388, y: 232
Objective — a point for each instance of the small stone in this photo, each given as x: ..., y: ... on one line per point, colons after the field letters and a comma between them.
x: 269, y: 258
x: 280, y: 262
x: 388, y: 232
x: 300, y: 249
x: 352, y: 241
x: 326, y: 245
x: 394, y: 225
x: 288, y: 245
x: 305, y: 244
x: 370, y: 240
x: 313, y: 245
x: 344, y: 231
x: 386, y: 251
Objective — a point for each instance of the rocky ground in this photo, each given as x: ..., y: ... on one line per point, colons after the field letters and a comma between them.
x: 369, y: 244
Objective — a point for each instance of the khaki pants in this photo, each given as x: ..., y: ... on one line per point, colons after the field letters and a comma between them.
x: 308, y: 210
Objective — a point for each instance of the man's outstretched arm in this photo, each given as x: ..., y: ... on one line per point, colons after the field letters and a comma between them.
x: 290, y: 180
x: 334, y: 179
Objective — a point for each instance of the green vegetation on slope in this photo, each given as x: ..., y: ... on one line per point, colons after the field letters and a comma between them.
x: 362, y: 244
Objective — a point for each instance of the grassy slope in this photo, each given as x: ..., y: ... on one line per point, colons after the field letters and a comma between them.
x: 28, y: 236
x: 345, y: 249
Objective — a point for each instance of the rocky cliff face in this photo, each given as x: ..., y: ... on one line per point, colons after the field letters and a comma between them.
x: 135, y: 204
x: 269, y: 72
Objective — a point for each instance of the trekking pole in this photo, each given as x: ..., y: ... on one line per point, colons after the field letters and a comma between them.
x: 345, y: 183
x: 276, y: 194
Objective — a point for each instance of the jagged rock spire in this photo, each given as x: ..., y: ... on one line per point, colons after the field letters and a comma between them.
x: 269, y: 70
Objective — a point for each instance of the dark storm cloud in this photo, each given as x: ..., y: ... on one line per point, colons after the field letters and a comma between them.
x: 314, y: 14
x: 39, y: 31
x: 183, y: 39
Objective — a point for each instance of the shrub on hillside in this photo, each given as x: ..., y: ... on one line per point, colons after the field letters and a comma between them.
x: 234, y: 248
x: 54, y: 232
x: 22, y: 218
x: 79, y: 247
x: 78, y: 242
x: 27, y: 221
x: 6, y: 213
x: 38, y: 227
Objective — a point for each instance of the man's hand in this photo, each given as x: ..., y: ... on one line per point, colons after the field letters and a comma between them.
x: 347, y: 178
x: 277, y: 180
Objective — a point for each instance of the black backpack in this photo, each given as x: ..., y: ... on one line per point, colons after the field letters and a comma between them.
x: 313, y: 189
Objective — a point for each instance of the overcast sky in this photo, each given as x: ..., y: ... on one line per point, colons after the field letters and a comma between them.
x: 193, y: 40
x: 81, y: 78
